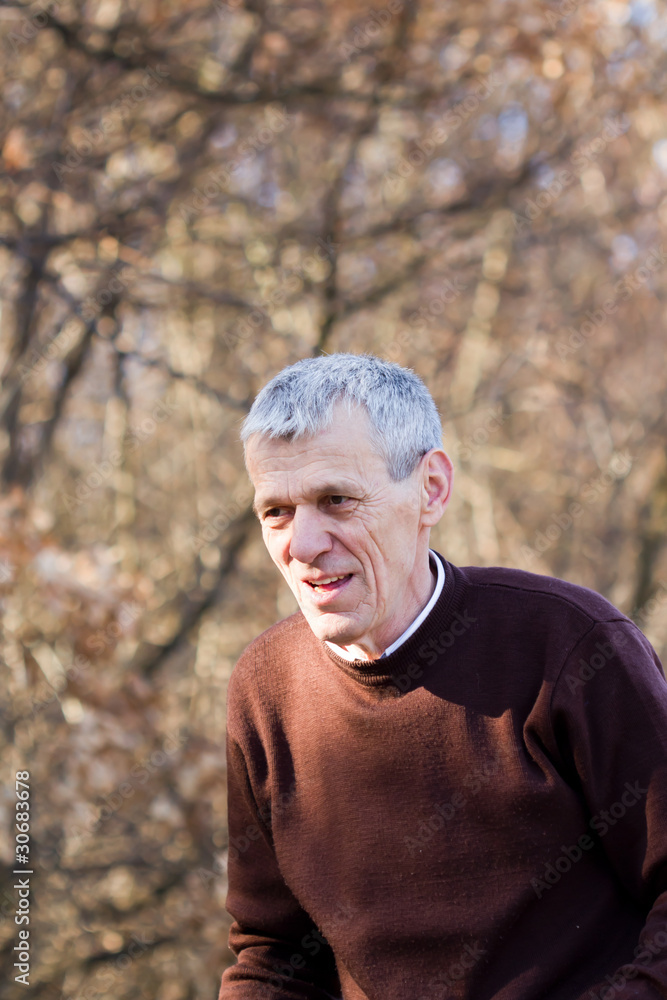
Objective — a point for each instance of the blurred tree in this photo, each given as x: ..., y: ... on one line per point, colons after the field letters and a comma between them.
x: 194, y: 195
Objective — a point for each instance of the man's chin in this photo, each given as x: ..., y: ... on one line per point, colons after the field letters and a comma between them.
x: 339, y: 627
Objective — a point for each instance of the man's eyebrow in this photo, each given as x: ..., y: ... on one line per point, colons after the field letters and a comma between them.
x: 266, y: 503
x: 333, y: 489
x: 257, y: 506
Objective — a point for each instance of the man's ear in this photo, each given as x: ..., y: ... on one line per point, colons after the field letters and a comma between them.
x: 438, y: 474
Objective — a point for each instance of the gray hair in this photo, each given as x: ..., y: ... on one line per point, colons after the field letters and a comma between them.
x: 300, y: 399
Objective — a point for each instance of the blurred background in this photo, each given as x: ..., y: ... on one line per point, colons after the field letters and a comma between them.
x: 193, y: 195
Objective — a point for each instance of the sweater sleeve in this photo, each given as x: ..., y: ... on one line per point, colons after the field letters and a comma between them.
x: 609, y: 717
x: 280, y: 952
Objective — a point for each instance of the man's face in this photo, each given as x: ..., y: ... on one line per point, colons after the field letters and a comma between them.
x: 351, y: 543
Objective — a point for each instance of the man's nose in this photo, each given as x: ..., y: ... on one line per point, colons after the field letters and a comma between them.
x: 309, y: 535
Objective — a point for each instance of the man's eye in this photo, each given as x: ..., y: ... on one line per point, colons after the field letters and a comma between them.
x: 336, y: 499
x: 274, y: 512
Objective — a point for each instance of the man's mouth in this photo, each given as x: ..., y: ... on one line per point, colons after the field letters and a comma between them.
x: 328, y: 584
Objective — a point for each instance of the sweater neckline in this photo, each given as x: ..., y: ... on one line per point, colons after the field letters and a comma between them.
x: 385, y: 669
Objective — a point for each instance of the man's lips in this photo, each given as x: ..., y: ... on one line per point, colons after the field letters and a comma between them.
x: 329, y: 584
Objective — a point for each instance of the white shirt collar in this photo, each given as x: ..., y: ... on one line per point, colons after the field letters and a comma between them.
x: 440, y: 582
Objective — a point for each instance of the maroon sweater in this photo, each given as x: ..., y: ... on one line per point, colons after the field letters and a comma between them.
x: 481, y: 814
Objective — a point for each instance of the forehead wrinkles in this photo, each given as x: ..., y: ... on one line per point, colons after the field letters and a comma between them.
x: 319, y: 476
x: 338, y: 453
x: 298, y: 460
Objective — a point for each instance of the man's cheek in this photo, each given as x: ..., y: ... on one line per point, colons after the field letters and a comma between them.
x: 276, y: 550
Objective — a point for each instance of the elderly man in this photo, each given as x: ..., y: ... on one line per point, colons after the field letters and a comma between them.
x: 443, y: 781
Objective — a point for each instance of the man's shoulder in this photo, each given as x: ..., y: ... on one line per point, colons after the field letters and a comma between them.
x: 535, y: 591
x: 279, y: 643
